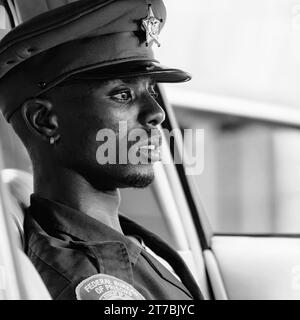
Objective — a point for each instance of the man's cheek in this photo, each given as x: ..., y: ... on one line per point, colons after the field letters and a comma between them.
x: 106, y: 152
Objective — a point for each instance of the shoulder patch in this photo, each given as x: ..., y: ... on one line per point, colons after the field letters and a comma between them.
x: 102, y: 286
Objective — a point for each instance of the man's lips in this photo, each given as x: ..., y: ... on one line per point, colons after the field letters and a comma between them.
x: 154, y: 143
x: 150, y: 148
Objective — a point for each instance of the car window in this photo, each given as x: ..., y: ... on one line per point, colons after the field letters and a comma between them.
x: 244, y: 60
x: 248, y: 49
x: 251, y: 177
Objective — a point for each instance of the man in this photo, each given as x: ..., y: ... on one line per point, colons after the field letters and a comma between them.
x: 66, y: 75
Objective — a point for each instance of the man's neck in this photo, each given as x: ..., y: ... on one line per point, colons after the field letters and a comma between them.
x: 73, y: 190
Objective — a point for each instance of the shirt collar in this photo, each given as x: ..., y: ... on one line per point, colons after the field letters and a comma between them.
x: 53, y: 215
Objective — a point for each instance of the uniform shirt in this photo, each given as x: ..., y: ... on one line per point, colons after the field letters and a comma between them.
x: 67, y: 246
x: 160, y: 259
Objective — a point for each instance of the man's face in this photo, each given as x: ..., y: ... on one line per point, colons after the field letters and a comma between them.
x: 86, y: 111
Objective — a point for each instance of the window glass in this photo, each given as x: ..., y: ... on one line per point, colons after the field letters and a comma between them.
x: 251, y: 177
x: 248, y: 51
x: 245, y: 49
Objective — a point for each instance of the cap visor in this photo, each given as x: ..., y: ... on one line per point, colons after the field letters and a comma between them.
x: 133, y: 69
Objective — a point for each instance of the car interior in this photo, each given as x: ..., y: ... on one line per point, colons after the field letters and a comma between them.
x: 236, y: 224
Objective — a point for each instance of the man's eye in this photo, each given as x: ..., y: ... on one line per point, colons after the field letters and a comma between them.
x: 122, y: 96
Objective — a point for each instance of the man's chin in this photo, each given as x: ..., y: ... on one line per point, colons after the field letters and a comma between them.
x: 121, y: 176
x: 137, y: 181
x: 135, y: 176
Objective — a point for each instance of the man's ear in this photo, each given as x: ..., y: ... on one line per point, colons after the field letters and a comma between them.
x: 40, y: 118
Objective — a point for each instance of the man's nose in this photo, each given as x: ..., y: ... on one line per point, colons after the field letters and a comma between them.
x: 151, y: 113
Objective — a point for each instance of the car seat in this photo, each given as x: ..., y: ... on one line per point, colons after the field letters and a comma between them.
x: 19, y: 185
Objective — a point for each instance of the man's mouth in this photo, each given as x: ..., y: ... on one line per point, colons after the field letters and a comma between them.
x: 150, y: 147
x: 151, y: 153
x: 151, y: 150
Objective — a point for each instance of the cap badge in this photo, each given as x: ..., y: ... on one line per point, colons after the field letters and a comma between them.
x: 151, y: 26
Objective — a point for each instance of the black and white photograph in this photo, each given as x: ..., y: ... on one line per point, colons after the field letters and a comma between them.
x: 150, y: 150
